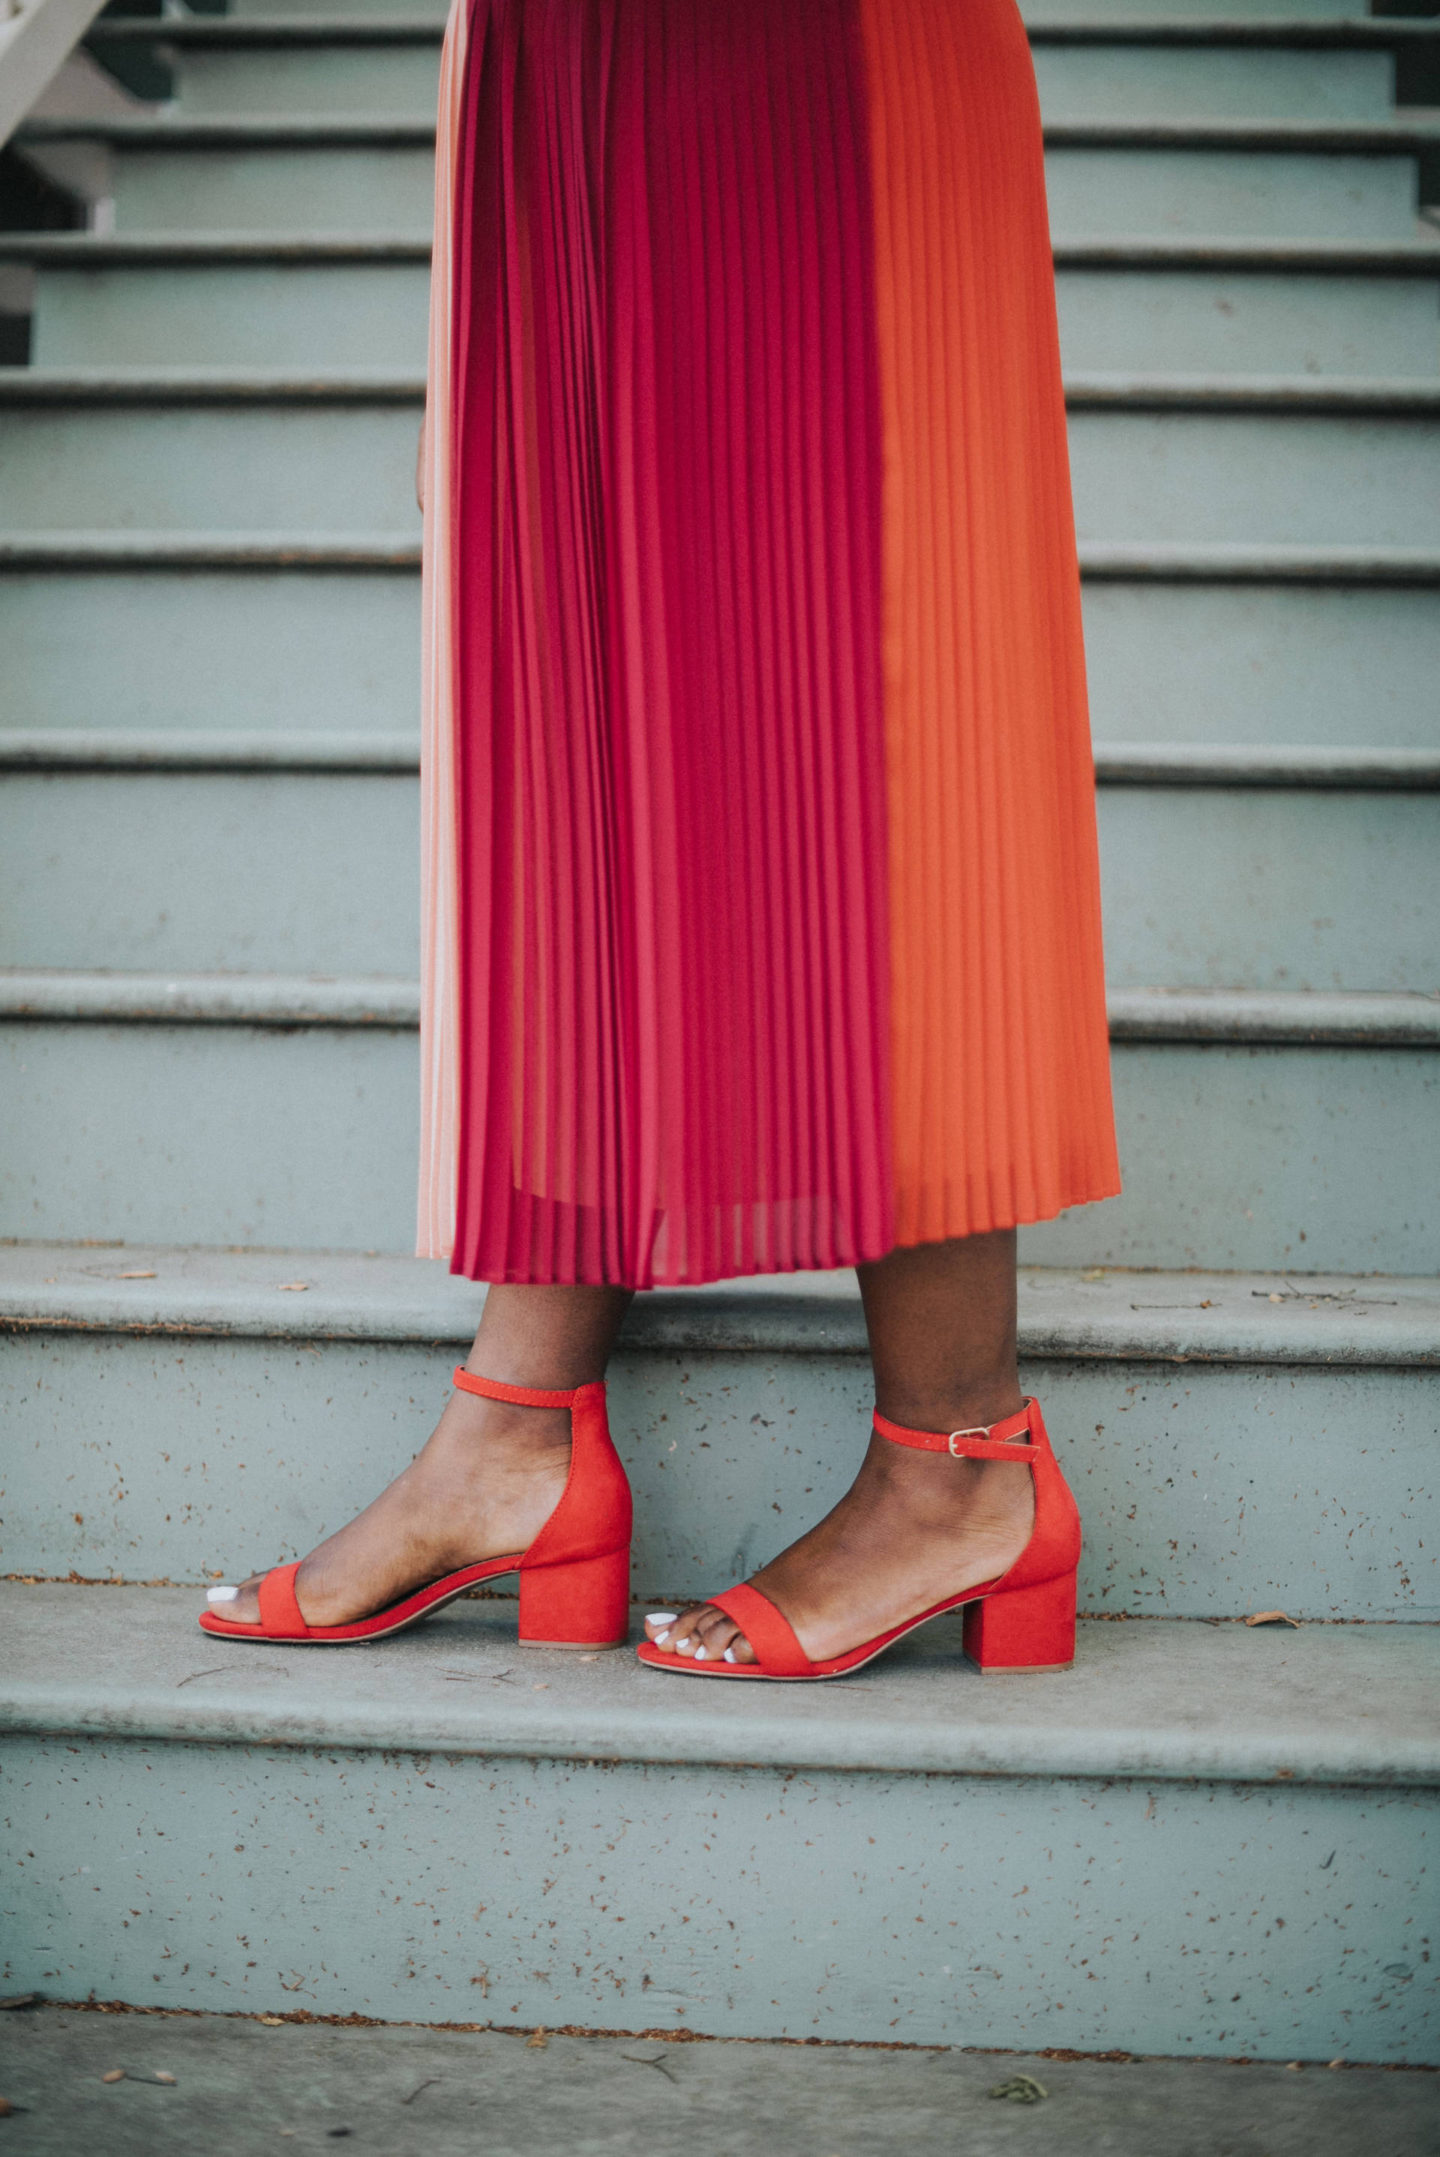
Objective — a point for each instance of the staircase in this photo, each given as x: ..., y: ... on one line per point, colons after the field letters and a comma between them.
x: 215, y: 1344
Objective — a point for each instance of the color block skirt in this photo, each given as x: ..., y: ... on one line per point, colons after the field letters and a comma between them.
x: 761, y: 922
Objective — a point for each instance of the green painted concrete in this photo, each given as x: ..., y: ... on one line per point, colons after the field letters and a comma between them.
x: 1280, y: 663
x: 1175, y: 477
x: 293, y: 1829
x: 341, y: 650
x: 1263, y: 192
x: 1208, y: 1488
x: 304, y: 872
x: 356, y: 314
x: 318, y: 872
x: 1075, y: 83
x: 1118, y: 81
x: 1172, y: 661
x: 1257, y: 1158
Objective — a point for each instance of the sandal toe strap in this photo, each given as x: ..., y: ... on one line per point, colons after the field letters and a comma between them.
x: 767, y: 1629
x: 279, y: 1611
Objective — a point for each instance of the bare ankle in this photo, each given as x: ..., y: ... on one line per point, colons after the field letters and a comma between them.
x: 971, y: 1405
x: 503, y: 1428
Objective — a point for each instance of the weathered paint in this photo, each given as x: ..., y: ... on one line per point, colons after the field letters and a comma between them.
x: 920, y: 1909
x: 1206, y: 1490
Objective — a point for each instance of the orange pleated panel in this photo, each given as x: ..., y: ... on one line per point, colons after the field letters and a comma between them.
x: 1000, y: 1080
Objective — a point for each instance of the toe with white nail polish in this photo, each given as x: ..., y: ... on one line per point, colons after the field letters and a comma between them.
x: 681, y: 1645
x: 222, y: 1594
x: 731, y: 1656
x: 661, y: 1638
x: 661, y: 1617
x: 699, y: 1655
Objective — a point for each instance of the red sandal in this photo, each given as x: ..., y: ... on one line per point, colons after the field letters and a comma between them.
x: 1023, y: 1620
x: 574, y: 1578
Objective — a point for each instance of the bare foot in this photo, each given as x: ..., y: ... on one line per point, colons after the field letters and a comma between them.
x: 482, y: 1487
x: 912, y: 1529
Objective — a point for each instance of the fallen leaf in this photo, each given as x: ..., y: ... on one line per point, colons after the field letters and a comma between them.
x: 295, y: 1288
x: 1096, y: 1273
x: 538, y: 2042
x: 139, y: 1273
x: 273, y: 2022
x: 539, y: 1688
x: 1272, y: 1617
x: 1275, y: 1296
x: 114, y: 2074
x: 20, y: 1999
x: 161, y: 2076
x: 1021, y: 2090
x: 1292, y: 2067
x: 1335, y: 2063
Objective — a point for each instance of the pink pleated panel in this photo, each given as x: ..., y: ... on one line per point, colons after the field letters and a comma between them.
x: 439, y: 837
x: 669, y: 811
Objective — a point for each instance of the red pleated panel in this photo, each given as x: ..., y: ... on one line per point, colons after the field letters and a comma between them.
x: 671, y: 977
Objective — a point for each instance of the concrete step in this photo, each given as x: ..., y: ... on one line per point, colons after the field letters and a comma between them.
x: 176, y: 448
x: 1162, y: 306
x: 227, y: 868
x: 240, y: 2082
x: 1266, y: 662
x: 1067, y: 14
x: 1314, y: 869
x: 532, y: 1836
x: 379, y: 69
x: 1260, y: 1130
x: 273, y: 645
x: 1036, y: 12
x: 1166, y: 459
x: 286, y: 629
x: 1236, y: 1442
x: 1208, y: 464
x: 1276, y: 177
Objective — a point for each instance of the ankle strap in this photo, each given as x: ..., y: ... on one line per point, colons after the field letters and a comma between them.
x: 494, y: 1389
x: 987, y: 1441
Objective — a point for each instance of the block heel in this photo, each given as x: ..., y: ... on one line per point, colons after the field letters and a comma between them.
x: 1023, y: 1628
x: 585, y: 1604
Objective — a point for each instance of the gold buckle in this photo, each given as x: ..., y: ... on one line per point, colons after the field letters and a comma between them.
x: 976, y: 1430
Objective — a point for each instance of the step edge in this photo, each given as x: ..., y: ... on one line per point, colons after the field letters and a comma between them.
x: 1301, y: 767
x: 100, y: 550
x: 69, y: 549
x: 677, y: 1735
x: 1364, y: 34
x: 1328, y: 396
x: 1365, y: 1017
x: 1140, y: 251
x: 383, y: 131
x: 222, y: 749
x: 1365, y: 1322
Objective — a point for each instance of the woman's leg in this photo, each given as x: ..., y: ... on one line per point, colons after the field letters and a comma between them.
x: 914, y: 1527
x: 489, y: 1475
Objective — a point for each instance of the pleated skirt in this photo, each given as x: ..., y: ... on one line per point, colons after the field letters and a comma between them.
x: 761, y: 902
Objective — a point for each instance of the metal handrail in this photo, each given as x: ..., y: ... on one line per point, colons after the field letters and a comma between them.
x: 36, y: 39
